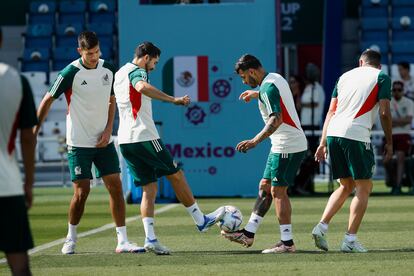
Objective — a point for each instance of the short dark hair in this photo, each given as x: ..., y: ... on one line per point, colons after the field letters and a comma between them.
x: 371, y: 57
x: 88, y: 40
x: 404, y: 65
x: 247, y: 61
x: 147, y: 48
x: 398, y: 82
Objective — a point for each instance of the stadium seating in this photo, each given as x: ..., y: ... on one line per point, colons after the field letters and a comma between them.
x: 35, y: 59
x: 38, y: 82
x: 61, y: 39
x: 42, y: 12
x: 67, y: 34
x: 72, y: 11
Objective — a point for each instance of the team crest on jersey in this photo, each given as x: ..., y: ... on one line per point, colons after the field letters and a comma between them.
x: 105, y: 79
x: 78, y: 170
x: 144, y: 76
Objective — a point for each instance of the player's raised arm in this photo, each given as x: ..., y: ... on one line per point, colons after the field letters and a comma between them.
x: 154, y: 93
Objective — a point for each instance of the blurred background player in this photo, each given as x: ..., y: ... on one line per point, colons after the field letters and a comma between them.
x: 88, y: 87
x: 406, y: 78
x: 18, y: 112
x: 356, y: 98
x: 145, y: 153
x: 402, y: 115
x: 289, y: 147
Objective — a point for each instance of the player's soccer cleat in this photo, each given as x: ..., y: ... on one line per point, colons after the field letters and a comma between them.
x: 212, y: 219
x: 128, y: 247
x: 156, y: 247
x: 319, y: 238
x: 69, y: 247
x: 352, y: 247
x: 238, y: 237
x: 280, y: 247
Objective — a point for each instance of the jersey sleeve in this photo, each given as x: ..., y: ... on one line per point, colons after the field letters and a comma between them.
x: 270, y: 97
x: 112, y: 68
x: 335, y: 90
x: 138, y: 75
x: 384, y: 86
x: 27, y: 113
x: 63, y: 81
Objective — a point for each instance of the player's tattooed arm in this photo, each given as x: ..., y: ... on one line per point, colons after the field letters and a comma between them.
x: 273, y: 123
x: 263, y: 203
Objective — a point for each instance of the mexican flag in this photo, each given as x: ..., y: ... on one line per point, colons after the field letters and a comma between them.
x: 187, y: 75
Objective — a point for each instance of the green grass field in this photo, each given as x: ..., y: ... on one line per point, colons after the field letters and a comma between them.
x: 387, y: 231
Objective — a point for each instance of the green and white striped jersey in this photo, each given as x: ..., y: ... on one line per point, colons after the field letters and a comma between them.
x: 87, y: 92
x: 275, y: 96
x: 358, y: 92
x: 18, y: 111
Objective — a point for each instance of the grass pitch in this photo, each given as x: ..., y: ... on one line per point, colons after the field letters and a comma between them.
x: 387, y: 231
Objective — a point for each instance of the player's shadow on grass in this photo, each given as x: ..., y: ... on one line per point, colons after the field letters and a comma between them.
x: 316, y: 252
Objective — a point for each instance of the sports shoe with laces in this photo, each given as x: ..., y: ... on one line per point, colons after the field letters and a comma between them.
x: 129, y: 247
x: 69, y: 247
x: 156, y: 247
x: 352, y: 247
x: 211, y: 219
x: 320, y: 238
x: 239, y: 237
x: 280, y: 247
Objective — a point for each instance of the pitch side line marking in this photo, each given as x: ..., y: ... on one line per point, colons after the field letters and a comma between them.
x: 91, y: 232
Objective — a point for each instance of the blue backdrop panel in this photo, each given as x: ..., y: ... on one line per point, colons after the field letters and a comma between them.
x: 202, y: 137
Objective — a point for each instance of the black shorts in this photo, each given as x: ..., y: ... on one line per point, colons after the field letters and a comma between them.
x: 15, y: 234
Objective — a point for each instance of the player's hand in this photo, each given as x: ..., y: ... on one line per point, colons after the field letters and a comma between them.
x: 245, y: 145
x: 321, y: 153
x: 104, y: 139
x: 182, y: 100
x: 247, y: 95
x: 28, y: 194
x: 388, y: 152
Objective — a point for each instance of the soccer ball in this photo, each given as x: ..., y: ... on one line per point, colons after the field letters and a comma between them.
x: 231, y: 220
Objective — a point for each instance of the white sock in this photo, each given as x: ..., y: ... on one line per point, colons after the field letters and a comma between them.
x: 286, y: 232
x: 149, y: 228
x: 254, y: 223
x: 323, y: 227
x: 72, y: 232
x: 196, y: 213
x: 350, y: 237
x: 121, y: 234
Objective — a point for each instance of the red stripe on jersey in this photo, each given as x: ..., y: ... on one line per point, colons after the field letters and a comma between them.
x: 12, y: 139
x: 285, y: 115
x: 68, y: 96
x: 135, y: 99
x: 370, y: 102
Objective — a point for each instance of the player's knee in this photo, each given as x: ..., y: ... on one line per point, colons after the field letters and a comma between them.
x: 264, y: 185
x: 279, y: 191
x: 176, y: 177
x: 82, y: 194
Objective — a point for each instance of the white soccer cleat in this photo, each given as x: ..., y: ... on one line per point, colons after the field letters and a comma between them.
x: 69, y: 247
x: 156, y: 247
x: 280, y: 248
x: 239, y: 237
x: 128, y: 247
x: 320, y: 238
x: 352, y: 247
x: 212, y: 219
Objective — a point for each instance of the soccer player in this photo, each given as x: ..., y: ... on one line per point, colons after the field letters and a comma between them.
x: 18, y: 112
x: 346, y: 136
x: 88, y: 87
x: 145, y: 153
x: 288, y: 149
